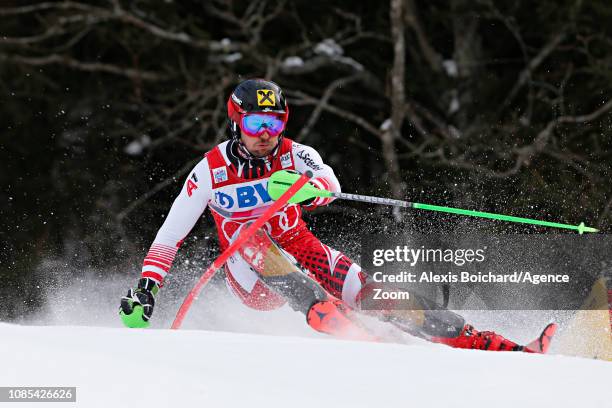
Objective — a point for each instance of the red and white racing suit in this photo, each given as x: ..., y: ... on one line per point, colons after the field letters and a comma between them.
x: 220, y: 182
x: 235, y: 190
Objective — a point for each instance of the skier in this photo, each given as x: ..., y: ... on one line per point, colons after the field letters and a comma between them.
x: 231, y: 180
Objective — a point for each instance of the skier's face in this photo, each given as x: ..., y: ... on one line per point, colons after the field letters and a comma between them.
x: 260, y: 146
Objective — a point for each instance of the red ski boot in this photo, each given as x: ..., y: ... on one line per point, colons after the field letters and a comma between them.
x: 335, y: 318
x: 470, y: 338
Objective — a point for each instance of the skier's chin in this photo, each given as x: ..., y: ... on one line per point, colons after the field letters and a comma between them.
x: 262, y: 151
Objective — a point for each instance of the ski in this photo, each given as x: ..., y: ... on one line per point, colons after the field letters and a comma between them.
x: 542, y: 343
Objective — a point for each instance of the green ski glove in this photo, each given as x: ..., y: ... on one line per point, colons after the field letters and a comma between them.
x: 137, y: 306
x: 281, y: 180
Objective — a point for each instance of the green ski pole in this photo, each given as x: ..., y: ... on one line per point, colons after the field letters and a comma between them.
x: 281, y: 180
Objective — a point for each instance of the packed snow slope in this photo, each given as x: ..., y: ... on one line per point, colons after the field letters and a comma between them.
x: 117, y: 367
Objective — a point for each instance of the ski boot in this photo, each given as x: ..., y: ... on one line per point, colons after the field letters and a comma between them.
x: 333, y: 317
x: 470, y: 338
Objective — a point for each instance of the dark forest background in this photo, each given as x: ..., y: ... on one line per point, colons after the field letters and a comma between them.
x: 105, y: 106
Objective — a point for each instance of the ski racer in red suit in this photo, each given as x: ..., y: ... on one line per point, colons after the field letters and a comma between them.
x: 231, y: 180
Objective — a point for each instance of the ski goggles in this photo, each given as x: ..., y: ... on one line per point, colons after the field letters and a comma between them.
x: 255, y: 124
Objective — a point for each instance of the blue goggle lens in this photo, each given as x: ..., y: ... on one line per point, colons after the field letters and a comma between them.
x: 256, y: 124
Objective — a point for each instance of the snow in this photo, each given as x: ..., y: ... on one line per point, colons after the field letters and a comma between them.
x: 224, y: 45
x: 115, y: 367
x: 450, y: 66
x: 329, y: 47
x: 293, y: 62
x: 328, y: 50
x: 137, y: 147
x: 233, y: 57
x: 386, y: 125
x: 232, y: 356
x: 454, y: 104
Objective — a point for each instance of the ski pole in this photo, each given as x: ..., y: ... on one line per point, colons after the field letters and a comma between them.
x: 281, y: 179
x: 242, y: 237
